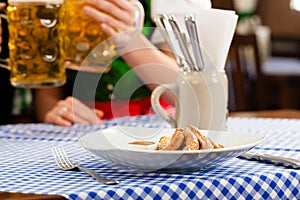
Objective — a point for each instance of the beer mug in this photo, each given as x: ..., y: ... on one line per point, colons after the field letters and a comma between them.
x: 86, y: 47
x: 34, y: 43
x: 201, y: 100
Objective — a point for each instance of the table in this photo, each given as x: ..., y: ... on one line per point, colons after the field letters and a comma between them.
x: 26, y: 165
x: 280, y: 113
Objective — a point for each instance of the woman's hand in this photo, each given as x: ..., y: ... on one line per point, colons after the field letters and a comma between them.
x: 70, y: 110
x: 115, y: 17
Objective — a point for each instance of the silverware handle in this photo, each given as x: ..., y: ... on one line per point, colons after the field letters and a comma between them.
x: 279, y: 160
x: 161, y: 21
x: 193, y: 33
x: 182, y: 44
x: 99, y: 178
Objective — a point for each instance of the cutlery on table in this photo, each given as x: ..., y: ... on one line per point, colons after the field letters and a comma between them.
x: 66, y: 164
x: 277, y: 160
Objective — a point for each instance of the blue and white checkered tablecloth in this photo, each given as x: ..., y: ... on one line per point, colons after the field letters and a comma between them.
x: 27, y: 166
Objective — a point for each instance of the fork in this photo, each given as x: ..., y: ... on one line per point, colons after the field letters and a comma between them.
x: 64, y: 163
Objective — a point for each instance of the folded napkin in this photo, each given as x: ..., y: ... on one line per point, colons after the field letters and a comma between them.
x: 177, y: 7
x: 215, y: 27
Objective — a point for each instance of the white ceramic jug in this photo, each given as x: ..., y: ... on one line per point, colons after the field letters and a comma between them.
x: 201, y: 100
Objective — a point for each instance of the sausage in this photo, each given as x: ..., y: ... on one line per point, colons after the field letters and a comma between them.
x: 163, y: 142
x: 176, y: 142
x: 191, y: 140
x: 215, y: 145
x: 204, y: 142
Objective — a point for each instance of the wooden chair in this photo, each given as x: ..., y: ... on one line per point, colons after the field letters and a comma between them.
x: 282, y: 82
x: 245, y: 74
x: 255, y: 89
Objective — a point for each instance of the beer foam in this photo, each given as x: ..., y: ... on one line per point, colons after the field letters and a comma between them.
x: 36, y: 1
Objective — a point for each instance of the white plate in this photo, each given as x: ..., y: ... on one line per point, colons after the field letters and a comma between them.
x: 112, y: 144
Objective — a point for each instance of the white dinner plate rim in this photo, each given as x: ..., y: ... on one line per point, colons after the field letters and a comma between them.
x: 261, y: 138
x: 168, y: 161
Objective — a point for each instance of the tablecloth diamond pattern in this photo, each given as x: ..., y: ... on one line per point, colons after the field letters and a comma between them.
x: 26, y: 165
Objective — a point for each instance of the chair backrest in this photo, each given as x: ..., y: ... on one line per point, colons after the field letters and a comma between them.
x: 245, y: 64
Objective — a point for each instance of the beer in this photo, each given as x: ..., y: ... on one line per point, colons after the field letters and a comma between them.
x: 34, y: 43
x: 80, y: 35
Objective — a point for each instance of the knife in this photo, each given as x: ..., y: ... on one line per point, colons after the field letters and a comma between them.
x: 276, y: 160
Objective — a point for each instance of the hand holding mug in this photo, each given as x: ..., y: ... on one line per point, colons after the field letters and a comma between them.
x: 92, y: 31
x: 117, y: 16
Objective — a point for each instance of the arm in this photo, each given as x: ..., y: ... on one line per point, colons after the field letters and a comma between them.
x: 45, y: 100
x: 152, y: 65
x: 149, y: 63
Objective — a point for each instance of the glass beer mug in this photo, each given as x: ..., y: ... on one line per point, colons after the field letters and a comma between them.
x: 81, y: 34
x: 34, y: 43
x: 85, y: 46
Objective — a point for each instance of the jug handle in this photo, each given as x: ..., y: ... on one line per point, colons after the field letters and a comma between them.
x: 158, y: 109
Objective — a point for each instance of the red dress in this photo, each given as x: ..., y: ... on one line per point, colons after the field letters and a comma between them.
x: 115, y: 109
